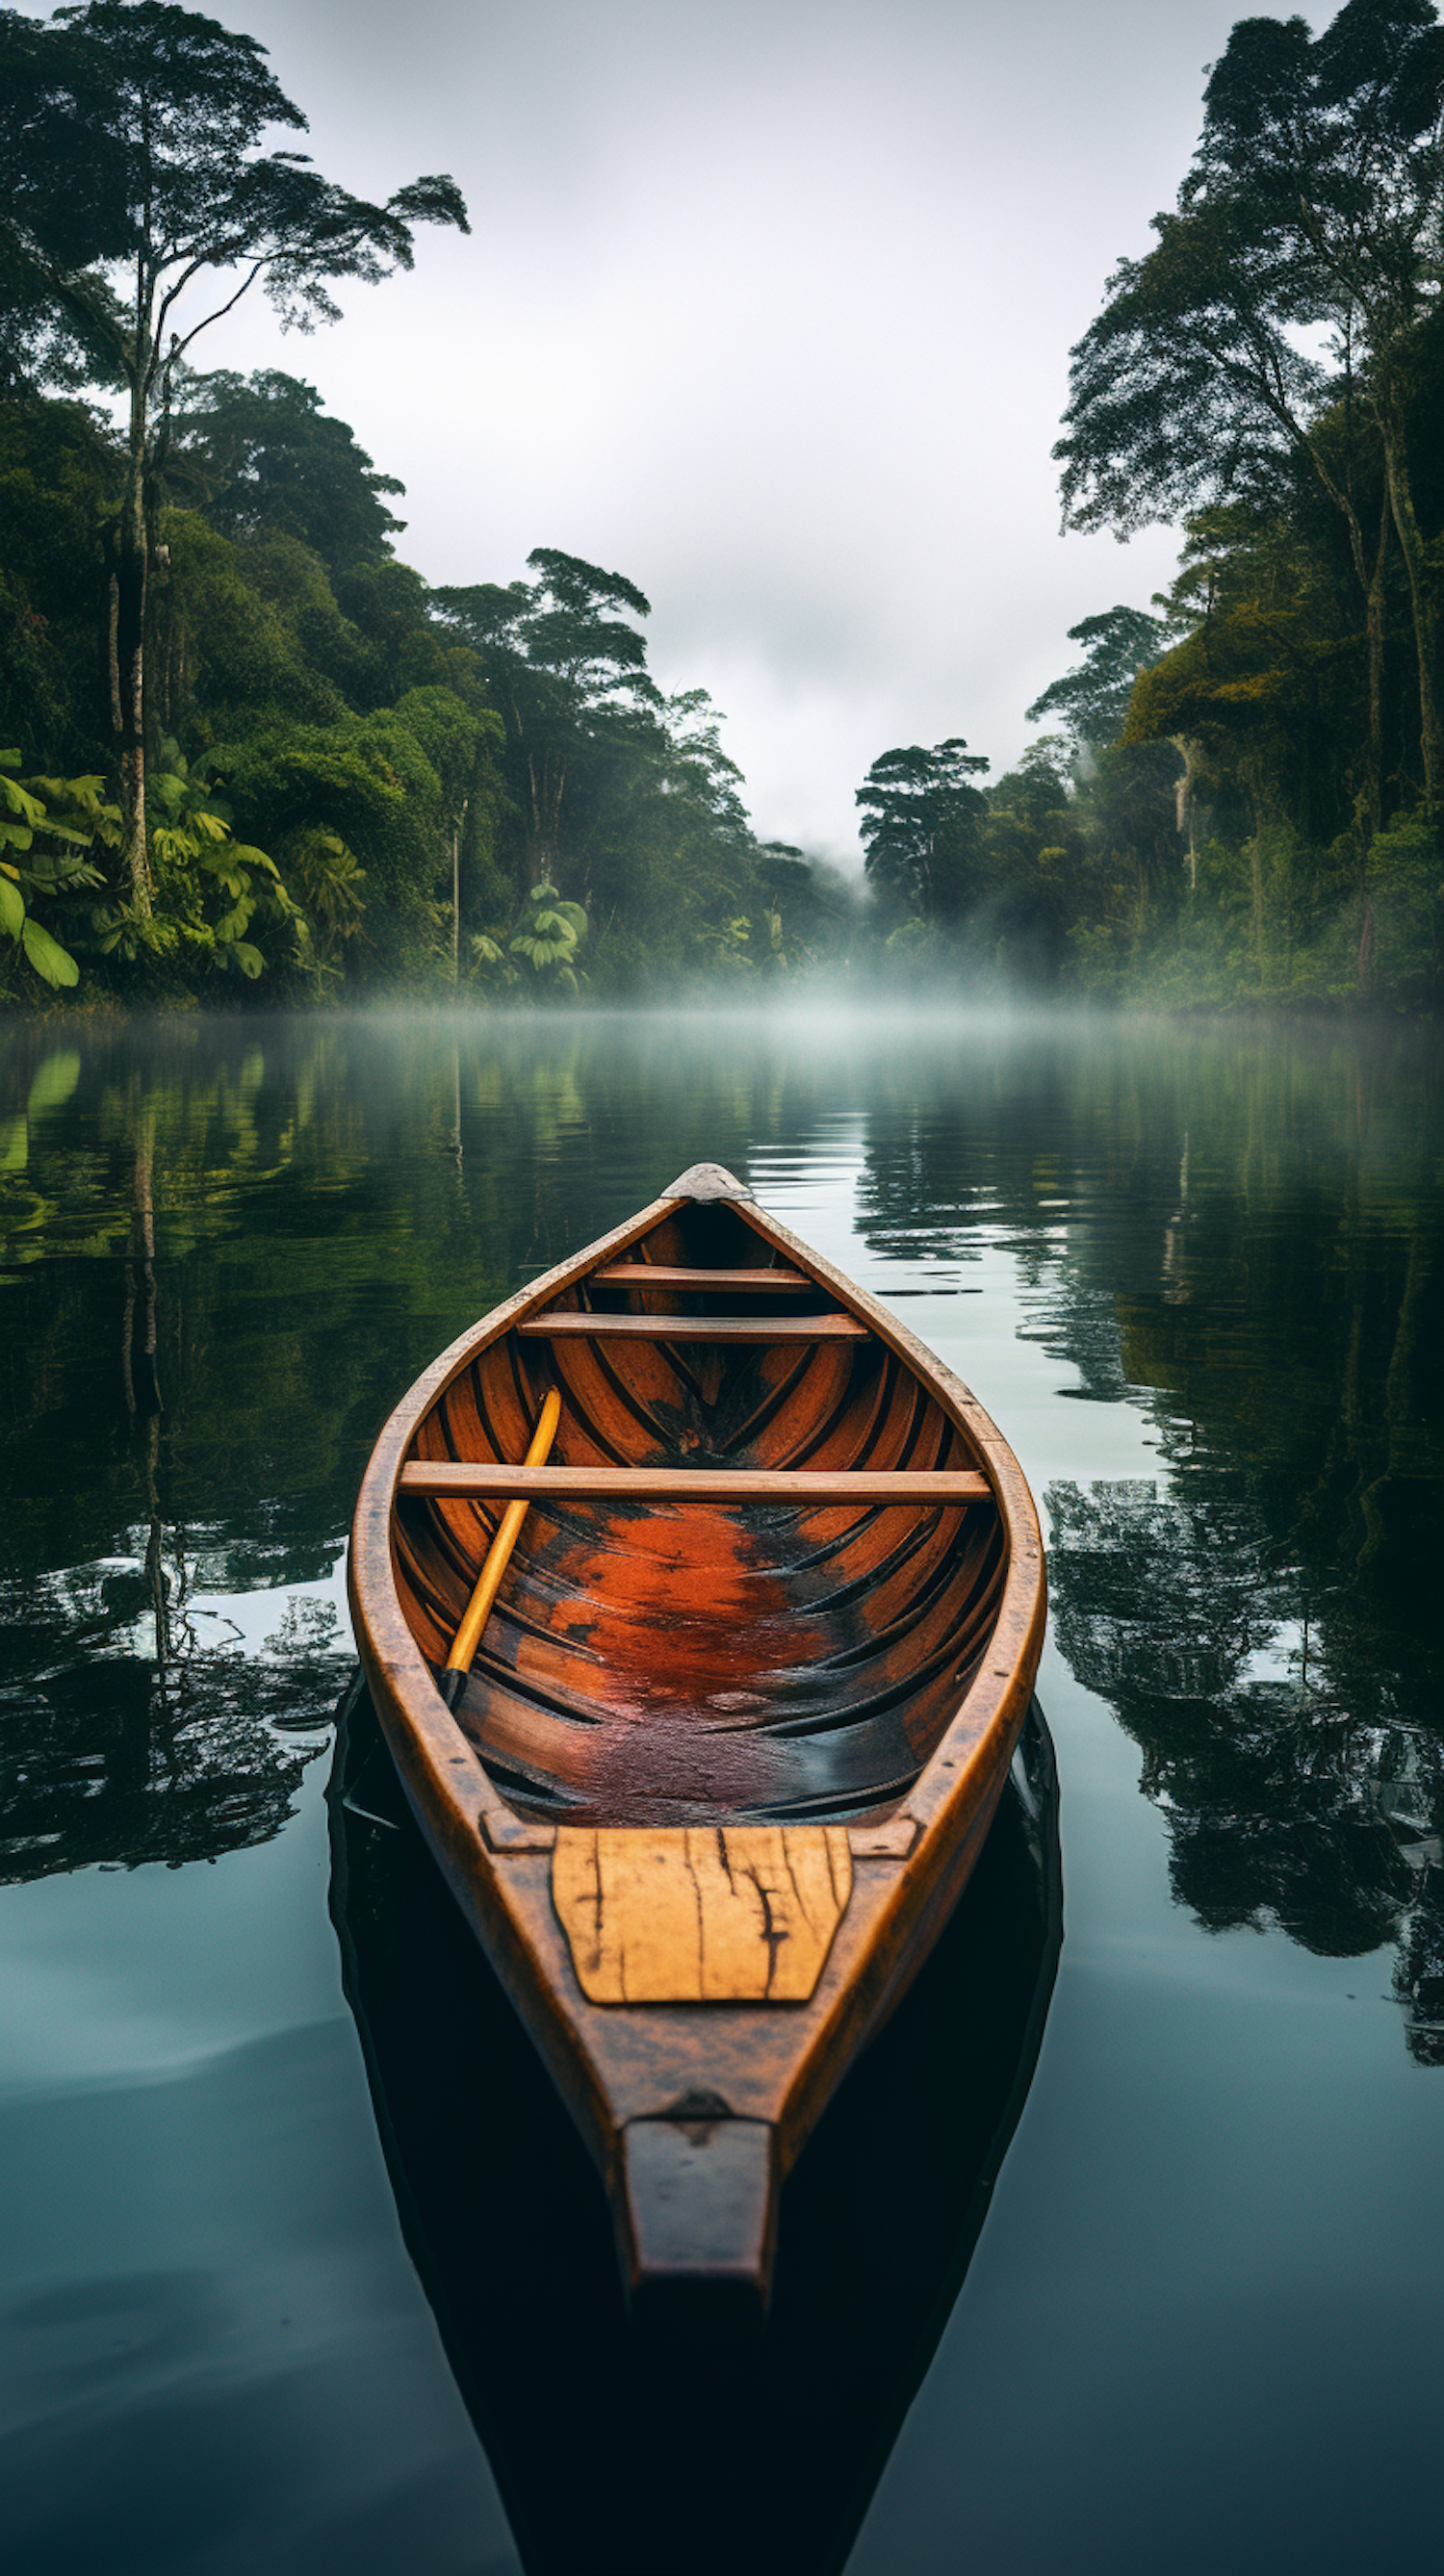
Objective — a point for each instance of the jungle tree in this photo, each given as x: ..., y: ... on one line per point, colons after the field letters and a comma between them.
x: 264, y: 457
x: 565, y: 669
x: 140, y: 209
x: 1314, y: 201
x: 922, y: 826
x: 1092, y: 699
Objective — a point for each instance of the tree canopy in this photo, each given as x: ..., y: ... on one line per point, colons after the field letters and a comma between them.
x: 1313, y: 206
x: 141, y: 207
x: 264, y: 457
x: 243, y: 738
x: 922, y: 823
x: 1091, y: 701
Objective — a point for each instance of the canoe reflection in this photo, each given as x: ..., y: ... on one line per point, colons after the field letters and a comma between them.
x: 686, y: 2446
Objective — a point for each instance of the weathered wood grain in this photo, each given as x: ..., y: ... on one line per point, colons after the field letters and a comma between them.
x: 713, y: 1914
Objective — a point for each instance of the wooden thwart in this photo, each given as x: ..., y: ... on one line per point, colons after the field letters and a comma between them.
x: 693, y: 1328
x: 656, y: 1274
x: 464, y: 1477
x: 706, y: 1914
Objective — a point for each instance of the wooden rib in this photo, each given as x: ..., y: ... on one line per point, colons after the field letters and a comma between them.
x: 656, y: 1274
x: 689, y: 1484
x: 694, y: 1328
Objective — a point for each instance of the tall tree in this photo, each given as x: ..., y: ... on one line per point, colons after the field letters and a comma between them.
x: 141, y: 210
x: 565, y: 669
x: 264, y: 456
x: 1337, y: 147
x: 1092, y: 700
x: 1314, y: 199
x: 922, y: 826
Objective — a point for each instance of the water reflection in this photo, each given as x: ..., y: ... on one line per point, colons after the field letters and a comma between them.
x: 1244, y: 1242
x: 225, y: 1247
x: 1283, y: 1804
x: 687, y: 2450
x: 1205, y: 1277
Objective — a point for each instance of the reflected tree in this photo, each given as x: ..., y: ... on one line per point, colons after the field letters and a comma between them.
x: 1242, y: 1242
x: 225, y: 1250
x: 115, y: 1757
x: 1282, y: 1804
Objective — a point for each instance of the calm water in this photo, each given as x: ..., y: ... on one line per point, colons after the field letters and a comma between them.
x: 1161, y: 2294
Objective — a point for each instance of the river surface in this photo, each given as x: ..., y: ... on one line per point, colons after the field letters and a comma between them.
x: 1196, y: 2318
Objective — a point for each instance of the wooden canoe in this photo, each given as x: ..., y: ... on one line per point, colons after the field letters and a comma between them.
x: 739, y: 1722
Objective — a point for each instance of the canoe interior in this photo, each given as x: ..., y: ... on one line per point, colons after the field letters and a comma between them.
x: 688, y: 1664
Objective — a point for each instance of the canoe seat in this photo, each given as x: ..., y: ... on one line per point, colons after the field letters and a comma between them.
x: 731, y: 1914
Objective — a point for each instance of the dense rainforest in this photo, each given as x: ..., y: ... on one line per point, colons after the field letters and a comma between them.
x: 1243, y: 789
x: 244, y: 747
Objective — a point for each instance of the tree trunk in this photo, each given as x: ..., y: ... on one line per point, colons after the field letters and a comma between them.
x: 1186, y: 802
x: 1374, y: 641
x: 1371, y: 583
x: 129, y: 623
x: 116, y: 717
x: 546, y: 781
x: 1411, y: 546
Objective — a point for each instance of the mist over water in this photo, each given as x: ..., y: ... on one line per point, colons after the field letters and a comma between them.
x: 1196, y: 1275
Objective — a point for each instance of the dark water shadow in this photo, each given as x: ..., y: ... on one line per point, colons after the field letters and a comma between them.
x: 692, y: 2451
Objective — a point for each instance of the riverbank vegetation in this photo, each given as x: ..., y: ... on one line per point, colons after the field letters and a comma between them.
x: 1244, y: 790
x: 245, y: 747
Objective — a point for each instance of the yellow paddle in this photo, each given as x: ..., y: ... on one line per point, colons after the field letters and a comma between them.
x: 498, y: 1557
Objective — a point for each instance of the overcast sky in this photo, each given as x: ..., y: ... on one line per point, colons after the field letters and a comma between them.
x: 767, y: 304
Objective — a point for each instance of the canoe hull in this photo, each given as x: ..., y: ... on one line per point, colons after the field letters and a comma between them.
x: 784, y: 2435
x: 694, y: 2110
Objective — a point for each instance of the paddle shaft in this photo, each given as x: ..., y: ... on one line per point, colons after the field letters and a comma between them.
x: 498, y: 1556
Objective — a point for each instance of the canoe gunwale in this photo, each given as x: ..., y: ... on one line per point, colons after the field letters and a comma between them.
x: 776, y: 2062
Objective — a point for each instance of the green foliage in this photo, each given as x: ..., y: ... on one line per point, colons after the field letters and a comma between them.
x: 1405, y: 890
x: 549, y: 936
x: 59, y: 471
x: 328, y: 880
x: 349, y: 724
x: 624, y: 800
x: 139, y: 209
x: 265, y: 460
x: 1092, y: 701
x: 49, y: 828
x: 208, y: 888
x: 1312, y: 211
x: 922, y: 822
x: 1272, y: 374
x: 241, y: 633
